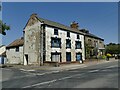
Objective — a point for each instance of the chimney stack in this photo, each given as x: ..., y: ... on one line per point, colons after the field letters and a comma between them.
x: 74, y: 25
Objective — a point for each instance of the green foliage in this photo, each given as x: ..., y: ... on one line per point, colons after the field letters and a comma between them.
x: 3, y: 28
x: 113, y: 48
x: 102, y: 57
x: 87, y: 50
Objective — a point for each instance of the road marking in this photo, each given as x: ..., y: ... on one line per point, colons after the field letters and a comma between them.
x: 47, y: 82
x: 51, y: 81
x: 104, y: 70
x: 112, y: 66
x: 34, y: 74
x: 27, y: 70
x: 5, y: 69
x: 93, y: 71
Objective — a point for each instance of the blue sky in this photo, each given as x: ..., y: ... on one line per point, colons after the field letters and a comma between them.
x: 100, y: 19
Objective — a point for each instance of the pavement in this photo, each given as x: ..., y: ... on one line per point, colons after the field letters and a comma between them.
x: 61, y: 67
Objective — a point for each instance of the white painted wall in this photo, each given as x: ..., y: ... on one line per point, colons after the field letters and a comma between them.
x: 14, y: 57
x: 63, y: 35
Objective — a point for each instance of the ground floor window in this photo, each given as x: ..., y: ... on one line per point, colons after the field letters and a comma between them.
x: 78, y: 56
x: 56, y: 57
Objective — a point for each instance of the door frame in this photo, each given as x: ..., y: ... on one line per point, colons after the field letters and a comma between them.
x: 66, y: 56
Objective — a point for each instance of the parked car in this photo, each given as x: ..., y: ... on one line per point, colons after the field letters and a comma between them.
x: 117, y: 56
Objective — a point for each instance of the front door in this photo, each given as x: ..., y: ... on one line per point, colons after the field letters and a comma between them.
x: 68, y: 56
x: 78, y: 56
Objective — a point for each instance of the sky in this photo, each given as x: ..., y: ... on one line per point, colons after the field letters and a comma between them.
x: 100, y: 18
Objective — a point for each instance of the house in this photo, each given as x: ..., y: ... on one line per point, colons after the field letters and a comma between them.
x: 2, y: 54
x: 49, y: 41
x: 14, y: 51
x: 95, y: 44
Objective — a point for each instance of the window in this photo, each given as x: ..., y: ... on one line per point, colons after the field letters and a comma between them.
x: 68, y: 43
x: 78, y: 37
x: 17, y: 49
x: 56, y: 57
x: 55, y: 42
x: 78, y: 56
x: 78, y: 45
x: 55, y: 31
x: 68, y: 34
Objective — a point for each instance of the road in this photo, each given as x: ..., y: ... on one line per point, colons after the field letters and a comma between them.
x: 104, y: 75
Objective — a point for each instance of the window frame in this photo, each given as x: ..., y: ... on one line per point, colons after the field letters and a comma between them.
x: 68, y: 40
x: 78, y: 36
x: 55, y: 31
x: 17, y: 49
x: 55, y: 38
x: 68, y: 34
x: 77, y: 44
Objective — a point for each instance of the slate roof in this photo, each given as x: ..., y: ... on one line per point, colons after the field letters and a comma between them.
x: 58, y: 25
x: 17, y: 42
x: 93, y: 36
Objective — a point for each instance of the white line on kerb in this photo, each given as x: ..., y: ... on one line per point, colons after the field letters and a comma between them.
x: 47, y: 82
x: 93, y: 71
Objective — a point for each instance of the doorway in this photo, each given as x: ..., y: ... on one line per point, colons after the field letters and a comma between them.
x: 68, y: 56
x: 26, y: 58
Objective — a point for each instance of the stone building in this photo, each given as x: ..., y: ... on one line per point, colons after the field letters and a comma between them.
x: 49, y: 41
x: 14, y: 52
x: 95, y: 44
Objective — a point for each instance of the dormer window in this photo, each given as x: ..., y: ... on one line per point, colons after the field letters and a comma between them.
x: 55, y: 31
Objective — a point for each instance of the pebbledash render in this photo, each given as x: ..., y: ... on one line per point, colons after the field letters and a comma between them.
x: 49, y: 41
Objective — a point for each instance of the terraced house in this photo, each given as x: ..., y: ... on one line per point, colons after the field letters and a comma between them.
x: 49, y: 41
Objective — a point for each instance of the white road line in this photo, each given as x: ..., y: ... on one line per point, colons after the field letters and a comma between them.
x: 27, y: 70
x: 47, y: 82
x: 34, y: 74
x: 104, y: 70
x: 112, y: 66
x: 5, y: 69
x: 40, y: 84
x: 93, y: 71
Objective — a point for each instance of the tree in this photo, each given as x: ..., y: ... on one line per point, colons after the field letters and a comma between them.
x: 3, y: 28
x: 87, y: 50
x: 112, y: 48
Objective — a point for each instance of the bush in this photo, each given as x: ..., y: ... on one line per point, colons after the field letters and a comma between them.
x: 102, y: 57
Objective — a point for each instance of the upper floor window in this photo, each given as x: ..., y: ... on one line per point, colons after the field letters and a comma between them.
x: 17, y: 49
x: 100, y: 42
x: 68, y: 43
x: 68, y: 34
x: 55, y: 31
x: 78, y: 37
x: 78, y: 45
x: 55, y: 42
x: 89, y: 39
